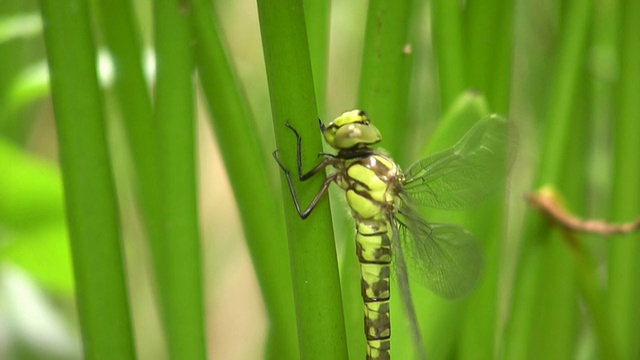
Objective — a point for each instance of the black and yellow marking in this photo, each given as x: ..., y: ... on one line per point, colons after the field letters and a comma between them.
x: 381, y: 200
x: 371, y: 181
x: 373, y: 248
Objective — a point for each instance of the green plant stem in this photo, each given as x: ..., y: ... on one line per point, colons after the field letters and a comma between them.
x: 91, y: 208
x: 489, y: 35
x: 594, y: 299
x: 385, y: 74
x: 122, y: 38
x: 474, y: 333
x: 317, y: 16
x: 449, y: 50
x: 541, y: 270
x: 123, y: 41
x: 624, y: 270
x: 442, y: 319
x: 237, y: 137
x: 177, y: 257
x: 312, y: 250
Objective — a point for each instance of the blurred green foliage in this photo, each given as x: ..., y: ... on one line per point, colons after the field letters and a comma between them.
x: 564, y: 72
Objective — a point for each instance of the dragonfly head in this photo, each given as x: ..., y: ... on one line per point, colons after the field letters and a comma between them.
x: 351, y: 130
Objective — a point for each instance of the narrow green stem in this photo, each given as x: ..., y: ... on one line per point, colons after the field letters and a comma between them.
x: 317, y: 16
x: 489, y: 35
x: 571, y: 57
x: 244, y: 158
x: 624, y: 269
x: 312, y: 250
x: 91, y: 208
x: 594, y: 299
x: 386, y: 65
x: 443, y: 320
x: 123, y: 41
x: 449, y: 50
x: 177, y: 256
x: 122, y: 38
x: 542, y: 269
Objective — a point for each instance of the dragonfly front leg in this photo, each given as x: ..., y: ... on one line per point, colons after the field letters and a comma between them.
x: 328, y: 160
x: 323, y: 190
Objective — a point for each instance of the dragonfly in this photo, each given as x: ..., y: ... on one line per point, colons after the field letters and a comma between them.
x: 383, y: 201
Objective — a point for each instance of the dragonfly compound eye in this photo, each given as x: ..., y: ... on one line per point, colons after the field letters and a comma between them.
x: 350, y: 130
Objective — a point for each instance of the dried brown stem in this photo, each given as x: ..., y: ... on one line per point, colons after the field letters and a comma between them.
x: 546, y: 202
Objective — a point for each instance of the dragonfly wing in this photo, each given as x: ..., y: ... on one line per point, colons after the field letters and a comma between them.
x: 445, y: 258
x: 465, y: 173
x: 402, y: 279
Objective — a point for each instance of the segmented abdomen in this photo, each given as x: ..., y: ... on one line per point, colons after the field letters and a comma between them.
x: 371, y: 184
x: 373, y: 247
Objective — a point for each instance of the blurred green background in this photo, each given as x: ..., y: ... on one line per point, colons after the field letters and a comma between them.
x: 169, y: 236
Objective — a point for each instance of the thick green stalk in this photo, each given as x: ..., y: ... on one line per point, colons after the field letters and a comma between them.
x: 312, y: 251
x: 476, y: 331
x: 442, y: 319
x: 123, y: 41
x: 237, y: 137
x: 542, y: 271
x: 595, y: 300
x: 122, y: 38
x: 92, y: 214
x: 489, y: 35
x: 385, y: 74
x: 557, y: 315
x: 317, y: 16
x: 624, y: 270
x: 448, y: 47
x: 177, y: 257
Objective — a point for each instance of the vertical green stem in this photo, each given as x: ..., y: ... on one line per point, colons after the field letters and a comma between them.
x: 594, y: 300
x: 386, y: 65
x: 123, y: 40
x: 317, y: 16
x: 244, y: 158
x: 624, y: 269
x: 489, y: 35
x: 92, y: 215
x: 542, y: 271
x: 312, y: 251
x: 449, y: 50
x: 178, y: 257
x: 443, y: 319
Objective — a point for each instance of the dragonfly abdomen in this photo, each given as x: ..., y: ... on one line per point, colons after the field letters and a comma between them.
x: 373, y: 247
x: 371, y: 184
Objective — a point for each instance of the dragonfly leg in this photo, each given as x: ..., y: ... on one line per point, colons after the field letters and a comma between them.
x: 328, y: 160
x: 323, y: 190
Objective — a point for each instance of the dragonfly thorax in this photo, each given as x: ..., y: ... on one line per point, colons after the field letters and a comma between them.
x: 372, y: 183
x: 351, y: 130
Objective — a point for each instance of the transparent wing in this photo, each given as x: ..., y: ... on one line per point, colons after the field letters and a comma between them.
x: 465, y: 173
x: 402, y: 280
x: 444, y: 258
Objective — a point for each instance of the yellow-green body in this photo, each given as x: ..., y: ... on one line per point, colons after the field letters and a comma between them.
x: 371, y: 184
x: 445, y: 258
